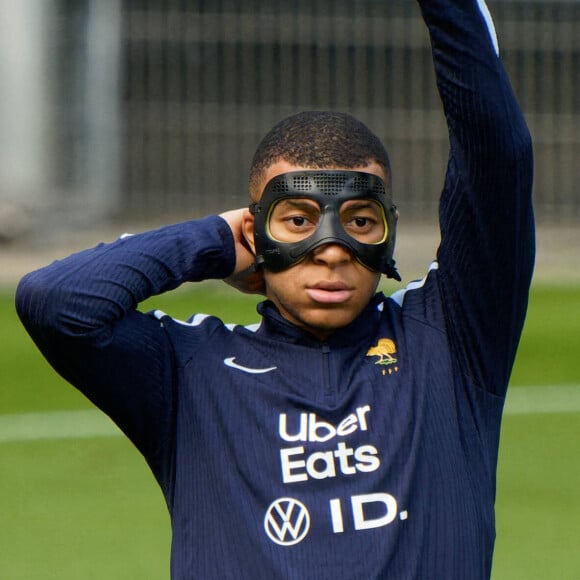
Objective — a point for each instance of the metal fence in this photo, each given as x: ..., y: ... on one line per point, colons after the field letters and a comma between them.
x: 203, y: 86
x: 203, y: 82
x: 159, y: 104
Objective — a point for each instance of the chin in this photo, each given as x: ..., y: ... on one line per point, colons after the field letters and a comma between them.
x: 329, y: 321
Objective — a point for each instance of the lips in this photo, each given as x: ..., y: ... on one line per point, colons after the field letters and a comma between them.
x: 329, y: 292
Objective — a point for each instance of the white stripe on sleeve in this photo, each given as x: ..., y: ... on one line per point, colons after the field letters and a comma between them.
x: 490, y: 25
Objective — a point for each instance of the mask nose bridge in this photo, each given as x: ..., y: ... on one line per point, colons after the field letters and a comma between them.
x: 329, y: 231
x: 330, y: 226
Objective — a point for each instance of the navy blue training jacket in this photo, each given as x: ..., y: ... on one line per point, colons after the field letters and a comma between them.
x: 372, y: 455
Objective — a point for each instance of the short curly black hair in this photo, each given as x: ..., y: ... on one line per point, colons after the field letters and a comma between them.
x: 318, y: 139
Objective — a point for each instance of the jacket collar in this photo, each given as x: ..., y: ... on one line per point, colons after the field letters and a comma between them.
x: 274, y: 325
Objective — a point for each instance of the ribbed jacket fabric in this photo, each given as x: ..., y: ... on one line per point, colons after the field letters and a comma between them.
x: 372, y: 455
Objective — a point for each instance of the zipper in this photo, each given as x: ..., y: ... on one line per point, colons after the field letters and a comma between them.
x: 328, y: 384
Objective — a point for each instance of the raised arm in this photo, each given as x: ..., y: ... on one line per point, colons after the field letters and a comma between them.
x: 487, y: 250
x: 82, y: 314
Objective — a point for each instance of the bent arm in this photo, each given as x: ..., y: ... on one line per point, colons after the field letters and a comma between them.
x: 82, y: 314
x: 487, y: 249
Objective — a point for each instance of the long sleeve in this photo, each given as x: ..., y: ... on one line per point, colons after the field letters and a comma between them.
x: 487, y: 250
x: 82, y: 314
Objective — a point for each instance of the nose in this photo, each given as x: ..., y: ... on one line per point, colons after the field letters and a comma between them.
x: 331, y: 255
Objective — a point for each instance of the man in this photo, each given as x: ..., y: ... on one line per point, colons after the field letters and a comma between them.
x: 350, y: 435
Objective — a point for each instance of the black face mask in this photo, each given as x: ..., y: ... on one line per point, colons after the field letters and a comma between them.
x: 330, y: 214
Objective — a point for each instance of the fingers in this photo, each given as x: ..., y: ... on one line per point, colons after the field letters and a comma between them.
x: 245, y: 277
x: 248, y: 281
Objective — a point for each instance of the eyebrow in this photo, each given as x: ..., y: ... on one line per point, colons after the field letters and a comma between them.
x: 360, y: 203
x: 300, y: 203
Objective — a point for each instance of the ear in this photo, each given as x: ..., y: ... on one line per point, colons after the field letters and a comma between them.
x: 248, y: 229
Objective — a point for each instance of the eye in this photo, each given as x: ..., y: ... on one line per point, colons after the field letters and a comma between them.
x: 361, y: 222
x: 364, y: 220
x: 297, y: 221
x: 293, y: 220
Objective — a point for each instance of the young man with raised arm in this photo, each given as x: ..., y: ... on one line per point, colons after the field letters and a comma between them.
x: 348, y: 435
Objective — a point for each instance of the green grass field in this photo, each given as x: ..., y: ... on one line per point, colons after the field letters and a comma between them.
x: 83, y: 508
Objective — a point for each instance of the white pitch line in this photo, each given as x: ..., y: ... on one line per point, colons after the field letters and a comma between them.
x: 79, y: 424
x: 545, y: 399
x: 82, y: 424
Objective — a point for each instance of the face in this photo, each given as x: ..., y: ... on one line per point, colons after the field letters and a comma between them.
x: 328, y: 288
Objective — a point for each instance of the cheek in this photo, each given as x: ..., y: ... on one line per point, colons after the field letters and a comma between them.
x: 281, y: 283
x: 368, y: 279
x: 374, y: 282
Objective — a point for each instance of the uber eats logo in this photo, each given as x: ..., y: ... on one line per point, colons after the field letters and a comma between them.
x: 287, y: 520
x: 298, y: 466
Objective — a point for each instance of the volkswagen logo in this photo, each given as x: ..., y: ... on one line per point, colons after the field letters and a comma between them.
x: 287, y: 521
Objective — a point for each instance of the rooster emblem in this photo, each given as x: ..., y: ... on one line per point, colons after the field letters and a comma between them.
x: 384, y: 349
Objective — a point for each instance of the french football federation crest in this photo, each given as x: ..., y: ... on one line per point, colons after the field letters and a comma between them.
x: 384, y: 350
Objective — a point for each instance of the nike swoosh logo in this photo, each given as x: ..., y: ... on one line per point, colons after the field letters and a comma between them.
x: 230, y: 362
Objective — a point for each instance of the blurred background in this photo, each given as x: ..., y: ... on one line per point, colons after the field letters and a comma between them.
x: 120, y: 115
x: 150, y: 110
